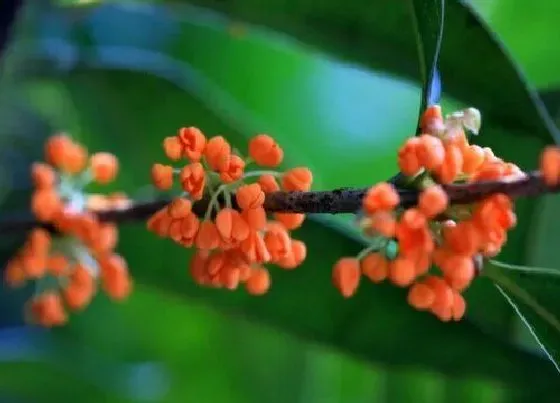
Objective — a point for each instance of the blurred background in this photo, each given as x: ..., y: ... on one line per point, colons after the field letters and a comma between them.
x: 338, y: 84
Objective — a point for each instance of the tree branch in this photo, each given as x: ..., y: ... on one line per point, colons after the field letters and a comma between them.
x: 337, y: 201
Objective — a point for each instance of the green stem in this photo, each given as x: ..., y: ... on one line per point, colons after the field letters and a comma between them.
x: 494, y: 273
x: 227, y: 195
x: 376, y: 245
x: 261, y: 172
x: 214, y: 201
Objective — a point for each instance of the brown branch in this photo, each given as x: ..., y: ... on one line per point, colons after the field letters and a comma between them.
x: 343, y: 200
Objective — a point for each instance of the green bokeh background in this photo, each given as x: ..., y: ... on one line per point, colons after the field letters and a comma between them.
x: 120, y: 77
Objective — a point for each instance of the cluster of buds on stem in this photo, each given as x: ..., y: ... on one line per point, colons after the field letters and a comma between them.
x: 434, y: 248
x: 234, y: 236
x: 66, y: 264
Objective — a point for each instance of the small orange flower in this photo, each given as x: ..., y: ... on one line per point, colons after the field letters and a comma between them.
x: 45, y: 204
x: 47, y: 310
x: 443, y: 298
x: 57, y: 149
x: 231, y: 226
x: 290, y: 220
x: 255, y: 218
x: 258, y: 282
x: 451, y: 166
x: 254, y: 248
x: 413, y: 219
x: 14, y: 274
x: 57, y: 264
x: 277, y: 241
x: 381, y: 197
x: 114, y: 276
x: 458, y: 271
x: 458, y: 307
x: 430, y: 152
x: 408, y: 157
x: 77, y: 297
x: 249, y: 196
x: 268, y: 183
x: 218, y: 153
x: 402, y: 272
x: 473, y: 158
x: 297, y: 179
x: 296, y: 256
x: 39, y: 241
x: 193, y: 142
x: 550, y: 165
x: 346, y: 276
x: 234, y: 171
x: 488, y: 172
x: 179, y: 208
x: 432, y: 120
x: 75, y: 159
x: 193, y: 180
x: 421, y: 296
x: 383, y: 223
x: 462, y: 238
x: 208, y: 236
x: 104, y: 167
x: 190, y: 226
x: 162, y: 176
x: 433, y: 201
x: 44, y: 177
x: 264, y: 150
x: 173, y: 148
x: 375, y: 267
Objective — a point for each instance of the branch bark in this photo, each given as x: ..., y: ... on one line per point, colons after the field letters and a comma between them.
x: 337, y: 201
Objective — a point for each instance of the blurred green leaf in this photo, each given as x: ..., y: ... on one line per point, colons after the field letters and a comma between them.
x: 373, y: 325
x: 538, y: 285
x: 361, y: 33
x: 531, y: 46
x: 551, y: 98
x: 114, y: 116
x: 34, y: 365
x: 428, y: 18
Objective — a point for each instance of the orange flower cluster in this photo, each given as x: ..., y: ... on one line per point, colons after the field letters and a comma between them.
x: 233, y: 244
x: 66, y: 266
x: 408, y: 242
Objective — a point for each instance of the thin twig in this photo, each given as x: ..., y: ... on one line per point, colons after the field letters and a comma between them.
x: 337, y: 201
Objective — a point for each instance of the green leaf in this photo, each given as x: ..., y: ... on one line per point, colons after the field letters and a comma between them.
x: 116, y: 111
x: 373, y: 325
x: 534, y: 290
x: 428, y: 17
x: 34, y: 365
x: 531, y: 46
x: 496, y: 86
x: 551, y: 98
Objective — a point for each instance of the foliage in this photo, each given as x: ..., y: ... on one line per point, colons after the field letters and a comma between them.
x: 95, y: 71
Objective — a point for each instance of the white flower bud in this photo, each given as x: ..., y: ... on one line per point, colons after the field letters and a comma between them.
x: 469, y: 119
x: 472, y: 120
